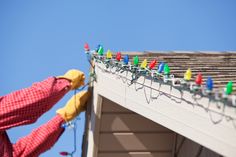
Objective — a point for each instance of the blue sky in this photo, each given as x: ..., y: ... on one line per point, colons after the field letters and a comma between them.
x: 45, y: 38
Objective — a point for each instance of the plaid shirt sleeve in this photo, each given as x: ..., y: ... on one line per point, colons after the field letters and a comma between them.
x: 27, y: 105
x: 40, y: 140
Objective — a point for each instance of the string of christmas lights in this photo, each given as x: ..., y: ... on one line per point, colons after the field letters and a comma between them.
x: 162, y: 74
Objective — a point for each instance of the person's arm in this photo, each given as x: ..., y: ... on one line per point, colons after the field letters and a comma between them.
x: 40, y: 140
x: 27, y: 105
x: 43, y: 138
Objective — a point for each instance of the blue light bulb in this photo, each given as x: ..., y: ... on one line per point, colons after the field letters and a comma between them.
x: 161, y: 67
x: 126, y: 59
x: 209, y: 83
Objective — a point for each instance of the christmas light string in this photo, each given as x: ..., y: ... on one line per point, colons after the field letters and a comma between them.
x: 163, y: 73
x: 73, y: 124
x: 163, y: 76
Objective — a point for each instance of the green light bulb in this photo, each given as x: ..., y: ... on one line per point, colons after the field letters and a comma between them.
x: 136, y: 61
x: 229, y: 88
x: 166, y: 69
x: 100, y: 51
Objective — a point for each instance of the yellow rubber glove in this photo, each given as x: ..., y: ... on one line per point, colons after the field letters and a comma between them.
x: 75, y: 76
x: 74, y: 106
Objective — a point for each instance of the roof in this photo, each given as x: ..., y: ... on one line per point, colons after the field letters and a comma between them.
x: 221, y: 66
x: 176, y: 110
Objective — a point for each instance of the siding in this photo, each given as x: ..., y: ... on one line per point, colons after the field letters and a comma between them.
x: 124, y: 133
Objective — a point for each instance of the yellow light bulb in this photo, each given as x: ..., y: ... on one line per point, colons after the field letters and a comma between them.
x: 144, y: 64
x: 109, y: 54
x: 188, y: 75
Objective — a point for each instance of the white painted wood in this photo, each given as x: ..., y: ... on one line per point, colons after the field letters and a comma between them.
x: 110, y: 107
x: 119, y: 122
x: 189, y: 120
x: 94, y: 126
x: 87, y: 123
x: 136, y: 142
x: 129, y: 123
x: 122, y: 130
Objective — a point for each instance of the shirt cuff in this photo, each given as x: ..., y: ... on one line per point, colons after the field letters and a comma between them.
x: 63, y: 83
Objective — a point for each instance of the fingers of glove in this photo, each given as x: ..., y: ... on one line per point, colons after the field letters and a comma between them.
x: 74, y: 106
x: 81, y: 100
x: 80, y: 82
x: 75, y: 76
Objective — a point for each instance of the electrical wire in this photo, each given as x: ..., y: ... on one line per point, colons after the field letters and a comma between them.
x: 73, y: 124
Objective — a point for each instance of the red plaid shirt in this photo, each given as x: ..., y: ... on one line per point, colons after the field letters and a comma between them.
x: 26, y: 106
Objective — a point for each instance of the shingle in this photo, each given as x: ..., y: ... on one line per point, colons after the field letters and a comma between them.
x: 221, y: 66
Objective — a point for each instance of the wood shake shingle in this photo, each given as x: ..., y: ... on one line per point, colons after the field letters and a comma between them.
x: 221, y: 66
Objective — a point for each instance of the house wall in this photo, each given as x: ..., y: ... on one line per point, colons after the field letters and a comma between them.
x: 124, y: 133
x: 188, y: 116
x: 209, y: 123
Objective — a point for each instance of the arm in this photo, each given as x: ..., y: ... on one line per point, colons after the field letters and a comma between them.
x: 40, y: 140
x: 46, y: 136
x: 27, y: 105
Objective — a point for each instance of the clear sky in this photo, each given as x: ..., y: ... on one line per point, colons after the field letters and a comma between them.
x: 45, y: 38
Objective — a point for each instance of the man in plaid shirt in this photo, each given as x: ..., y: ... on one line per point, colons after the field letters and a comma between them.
x: 27, y: 105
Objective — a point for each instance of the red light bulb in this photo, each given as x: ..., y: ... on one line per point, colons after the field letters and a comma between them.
x: 64, y: 153
x: 152, y: 64
x: 118, y: 56
x: 198, y: 80
x: 86, y: 47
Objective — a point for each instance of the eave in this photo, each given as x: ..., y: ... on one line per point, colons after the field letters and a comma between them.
x: 193, y: 118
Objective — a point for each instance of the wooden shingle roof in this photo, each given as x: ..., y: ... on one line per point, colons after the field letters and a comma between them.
x: 221, y: 66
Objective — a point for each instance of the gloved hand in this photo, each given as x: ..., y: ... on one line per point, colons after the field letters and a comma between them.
x: 75, y: 76
x: 74, y: 106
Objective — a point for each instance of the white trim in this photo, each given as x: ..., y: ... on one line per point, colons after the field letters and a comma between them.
x: 94, y: 125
